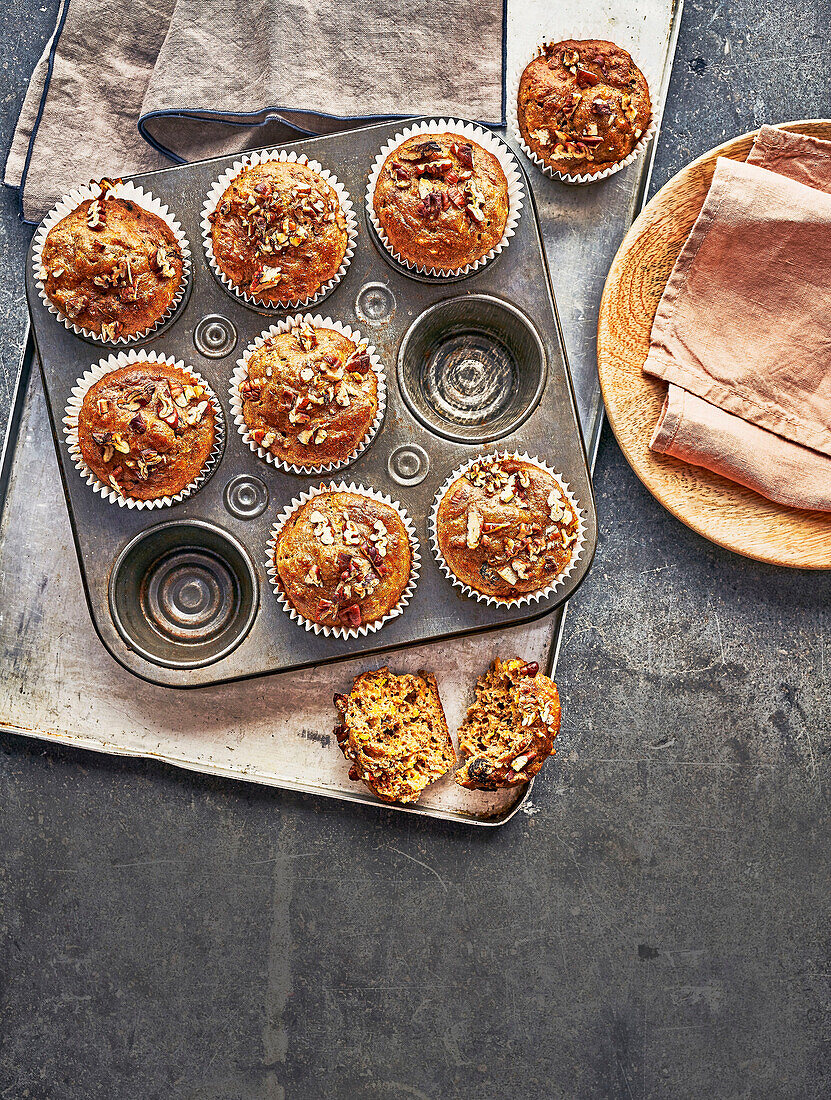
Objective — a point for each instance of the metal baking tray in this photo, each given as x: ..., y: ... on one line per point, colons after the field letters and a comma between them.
x: 508, y: 304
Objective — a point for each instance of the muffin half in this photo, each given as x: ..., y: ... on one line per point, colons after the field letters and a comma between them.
x: 509, y: 731
x: 394, y: 733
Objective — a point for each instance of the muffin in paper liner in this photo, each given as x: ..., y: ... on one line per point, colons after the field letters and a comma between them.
x: 488, y: 141
x: 336, y: 631
x: 122, y: 190
x: 241, y: 373
x: 579, y: 34
x: 527, y: 597
x: 73, y: 408
x: 216, y: 192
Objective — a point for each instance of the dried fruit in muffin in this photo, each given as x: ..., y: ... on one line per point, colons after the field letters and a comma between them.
x: 279, y: 232
x: 505, y: 527
x: 343, y: 559
x: 146, y: 430
x: 393, y: 731
x: 509, y: 731
x: 111, y: 267
x: 583, y: 106
x: 310, y: 396
x: 442, y: 200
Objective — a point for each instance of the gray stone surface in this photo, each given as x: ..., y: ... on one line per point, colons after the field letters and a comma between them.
x: 656, y: 927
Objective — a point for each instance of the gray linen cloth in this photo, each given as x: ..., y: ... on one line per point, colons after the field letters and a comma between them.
x: 127, y: 85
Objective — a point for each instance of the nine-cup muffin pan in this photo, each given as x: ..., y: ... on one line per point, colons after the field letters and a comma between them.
x: 181, y: 596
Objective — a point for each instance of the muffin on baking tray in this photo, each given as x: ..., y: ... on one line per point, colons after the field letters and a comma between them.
x: 442, y: 201
x: 505, y: 527
x: 343, y: 559
x: 393, y: 731
x: 146, y: 429
x: 111, y: 267
x: 310, y: 396
x: 278, y: 232
x: 582, y: 106
x: 509, y: 731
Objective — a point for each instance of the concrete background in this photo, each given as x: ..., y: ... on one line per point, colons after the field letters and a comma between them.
x: 657, y: 926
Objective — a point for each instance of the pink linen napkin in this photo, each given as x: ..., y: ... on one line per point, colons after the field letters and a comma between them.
x: 743, y: 330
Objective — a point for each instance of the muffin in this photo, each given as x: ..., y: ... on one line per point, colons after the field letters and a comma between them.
x: 111, y: 267
x: 509, y: 731
x: 310, y: 396
x: 582, y: 107
x: 343, y: 559
x: 278, y: 232
x: 505, y: 527
x: 146, y: 429
x: 441, y: 200
x: 394, y: 734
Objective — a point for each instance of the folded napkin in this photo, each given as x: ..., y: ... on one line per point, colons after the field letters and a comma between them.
x: 743, y: 330
x: 125, y: 85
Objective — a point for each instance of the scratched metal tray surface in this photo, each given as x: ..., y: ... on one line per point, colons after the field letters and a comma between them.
x: 59, y: 684
x: 507, y: 301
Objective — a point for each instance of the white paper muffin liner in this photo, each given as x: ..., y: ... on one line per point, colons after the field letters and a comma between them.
x: 338, y: 631
x: 528, y: 597
x: 218, y: 189
x: 241, y: 374
x: 488, y: 141
x: 581, y: 34
x: 73, y: 408
x: 122, y: 190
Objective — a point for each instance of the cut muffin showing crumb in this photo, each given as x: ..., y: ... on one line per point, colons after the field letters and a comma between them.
x: 394, y: 733
x: 509, y: 731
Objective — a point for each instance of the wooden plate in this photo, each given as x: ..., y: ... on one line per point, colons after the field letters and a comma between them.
x: 720, y: 510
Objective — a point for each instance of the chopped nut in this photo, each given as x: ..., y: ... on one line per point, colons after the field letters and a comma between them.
x: 108, y: 331
x: 307, y: 374
x: 474, y: 528
x: 305, y: 436
x: 321, y: 435
x: 507, y: 574
x: 519, y: 763
x: 94, y: 218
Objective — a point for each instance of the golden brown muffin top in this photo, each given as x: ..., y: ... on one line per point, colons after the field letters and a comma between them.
x: 278, y: 232
x: 509, y: 731
x: 311, y: 395
x: 146, y: 430
x: 583, y: 105
x: 442, y: 200
x: 394, y: 733
x: 505, y: 527
x: 111, y: 267
x: 343, y: 559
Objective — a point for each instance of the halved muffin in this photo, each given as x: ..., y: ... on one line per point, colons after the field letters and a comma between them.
x: 509, y: 731
x: 394, y: 733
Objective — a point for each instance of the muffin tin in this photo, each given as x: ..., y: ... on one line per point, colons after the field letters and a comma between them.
x: 180, y: 596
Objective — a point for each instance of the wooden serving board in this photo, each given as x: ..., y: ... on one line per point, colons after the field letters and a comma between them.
x: 720, y: 510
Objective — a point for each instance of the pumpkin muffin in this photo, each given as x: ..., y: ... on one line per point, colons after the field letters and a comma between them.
x: 279, y: 233
x: 310, y: 396
x: 147, y: 430
x: 441, y: 200
x: 111, y: 267
x: 582, y: 107
x: 343, y: 559
x: 505, y: 527
x: 509, y: 731
x: 394, y: 734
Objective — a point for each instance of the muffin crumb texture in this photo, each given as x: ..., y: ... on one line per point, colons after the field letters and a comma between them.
x: 343, y: 559
x: 583, y: 106
x: 111, y: 267
x: 506, y: 528
x: 509, y: 731
x: 393, y: 732
x: 310, y: 396
x: 442, y: 201
x: 146, y: 430
x: 278, y: 232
